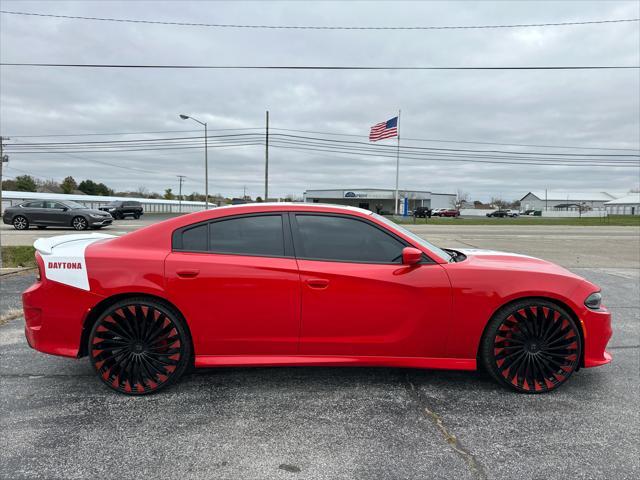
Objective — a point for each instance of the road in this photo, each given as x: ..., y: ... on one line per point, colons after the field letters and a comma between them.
x: 58, y: 421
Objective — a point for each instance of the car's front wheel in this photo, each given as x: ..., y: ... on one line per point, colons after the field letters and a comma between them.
x: 79, y: 223
x: 139, y: 346
x: 531, y: 346
x: 20, y: 222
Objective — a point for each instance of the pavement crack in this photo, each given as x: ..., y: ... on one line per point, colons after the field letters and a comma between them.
x: 475, y: 467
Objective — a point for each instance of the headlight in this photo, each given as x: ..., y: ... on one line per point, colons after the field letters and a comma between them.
x: 93, y: 215
x: 593, y: 301
x: 112, y: 209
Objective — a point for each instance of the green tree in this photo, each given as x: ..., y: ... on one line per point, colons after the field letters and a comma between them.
x: 92, y: 188
x: 88, y: 186
x: 25, y: 183
x: 168, y: 194
x: 68, y: 185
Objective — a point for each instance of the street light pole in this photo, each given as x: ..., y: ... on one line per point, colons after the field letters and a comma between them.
x: 206, y: 159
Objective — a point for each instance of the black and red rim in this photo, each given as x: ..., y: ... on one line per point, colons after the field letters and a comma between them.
x: 536, y: 348
x: 136, y: 348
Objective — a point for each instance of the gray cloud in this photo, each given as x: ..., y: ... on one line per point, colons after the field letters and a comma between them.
x: 586, y: 108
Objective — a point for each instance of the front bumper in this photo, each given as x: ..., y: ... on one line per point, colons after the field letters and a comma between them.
x: 596, y: 327
x: 95, y: 222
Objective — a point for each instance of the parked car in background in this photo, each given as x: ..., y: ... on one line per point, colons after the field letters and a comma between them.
x: 498, y: 213
x: 122, y: 209
x: 422, y: 212
x: 450, y: 212
x: 436, y: 211
x: 513, y: 213
x: 53, y: 213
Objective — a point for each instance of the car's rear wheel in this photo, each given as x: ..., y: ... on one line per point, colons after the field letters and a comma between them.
x: 139, y: 346
x: 20, y: 222
x: 79, y: 223
x: 532, y: 346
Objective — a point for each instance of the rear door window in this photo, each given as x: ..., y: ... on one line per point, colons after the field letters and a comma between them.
x: 258, y: 235
x: 254, y: 235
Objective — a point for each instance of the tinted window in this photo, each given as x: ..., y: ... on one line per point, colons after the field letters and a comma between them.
x: 345, y: 239
x: 32, y: 205
x: 195, y: 238
x: 256, y: 235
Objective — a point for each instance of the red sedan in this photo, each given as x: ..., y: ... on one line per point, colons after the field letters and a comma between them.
x: 302, y: 284
x: 451, y: 212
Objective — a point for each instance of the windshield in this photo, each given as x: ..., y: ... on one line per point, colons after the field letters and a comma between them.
x: 421, y: 241
x: 73, y: 205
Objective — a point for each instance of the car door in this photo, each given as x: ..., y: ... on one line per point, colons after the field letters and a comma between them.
x: 55, y: 214
x: 34, y: 211
x: 357, y: 297
x: 236, y: 281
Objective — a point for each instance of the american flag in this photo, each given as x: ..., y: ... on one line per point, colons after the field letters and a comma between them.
x: 382, y: 130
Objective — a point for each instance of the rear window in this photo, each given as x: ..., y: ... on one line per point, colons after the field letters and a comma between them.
x: 195, y: 238
x: 256, y: 235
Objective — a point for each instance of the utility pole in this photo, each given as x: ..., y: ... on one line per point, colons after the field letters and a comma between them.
x: 266, y: 160
x: 3, y: 158
x: 180, y: 179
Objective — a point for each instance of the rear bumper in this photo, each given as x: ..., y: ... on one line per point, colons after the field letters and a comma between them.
x: 596, y: 327
x: 54, y: 315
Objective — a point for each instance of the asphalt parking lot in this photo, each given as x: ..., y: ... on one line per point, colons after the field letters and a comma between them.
x: 58, y: 421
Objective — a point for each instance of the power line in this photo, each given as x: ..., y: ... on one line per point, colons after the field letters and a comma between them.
x: 435, y: 140
x: 309, y: 67
x: 239, y: 139
x: 321, y: 27
x: 130, y: 133
x: 439, y: 140
x: 457, y: 160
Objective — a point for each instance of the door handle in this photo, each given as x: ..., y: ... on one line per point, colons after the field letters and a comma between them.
x: 188, y: 273
x: 319, y: 283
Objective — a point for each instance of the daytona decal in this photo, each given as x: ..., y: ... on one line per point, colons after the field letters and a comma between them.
x: 67, y: 265
x: 64, y: 257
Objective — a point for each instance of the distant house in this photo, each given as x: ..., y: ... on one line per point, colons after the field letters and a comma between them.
x: 628, y: 205
x: 563, y: 201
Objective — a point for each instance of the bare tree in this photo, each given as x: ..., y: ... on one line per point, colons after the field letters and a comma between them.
x: 461, y: 199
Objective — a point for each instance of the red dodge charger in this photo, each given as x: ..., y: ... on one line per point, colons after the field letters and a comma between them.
x: 304, y: 284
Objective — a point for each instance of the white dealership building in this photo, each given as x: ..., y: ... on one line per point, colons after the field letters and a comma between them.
x: 381, y: 200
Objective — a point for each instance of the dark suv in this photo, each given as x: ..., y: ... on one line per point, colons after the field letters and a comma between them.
x: 121, y: 209
x: 55, y: 213
x: 422, y: 212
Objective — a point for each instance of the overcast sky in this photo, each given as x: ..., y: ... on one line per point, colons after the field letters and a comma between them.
x: 596, y: 108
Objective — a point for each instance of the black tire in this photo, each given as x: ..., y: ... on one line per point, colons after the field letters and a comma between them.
x: 531, y: 346
x: 136, y: 216
x: 139, y: 346
x: 41, y: 227
x: 79, y: 223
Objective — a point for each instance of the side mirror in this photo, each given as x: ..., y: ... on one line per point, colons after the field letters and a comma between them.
x: 411, y: 256
x: 64, y: 209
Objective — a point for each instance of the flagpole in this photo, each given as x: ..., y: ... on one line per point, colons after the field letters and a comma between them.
x: 398, y: 164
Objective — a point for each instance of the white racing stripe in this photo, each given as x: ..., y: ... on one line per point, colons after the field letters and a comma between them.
x: 64, y: 259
